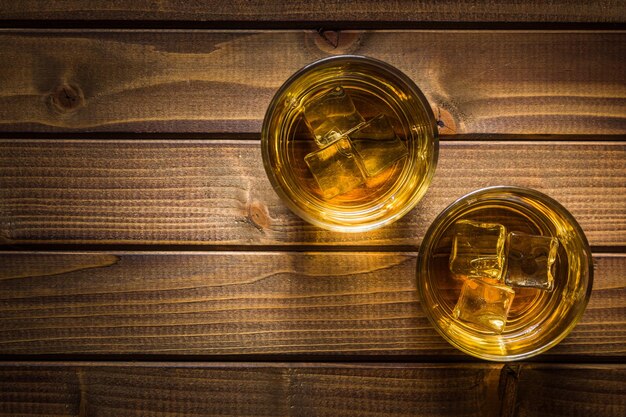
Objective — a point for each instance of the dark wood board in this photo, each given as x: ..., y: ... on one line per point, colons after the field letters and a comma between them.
x: 217, y: 193
x: 478, y: 82
x: 250, y: 303
x: 306, y: 389
x: 137, y: 225
x: 373, y: 12
x: 547, y: 390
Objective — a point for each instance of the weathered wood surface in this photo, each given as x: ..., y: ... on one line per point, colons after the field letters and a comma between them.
x: 531, y: 84
x: 253, y: 389
x: 216, y: 192
x: 251, y: 303
x: 479, y: 82
x: 553, y: 390
x: 309, y: 13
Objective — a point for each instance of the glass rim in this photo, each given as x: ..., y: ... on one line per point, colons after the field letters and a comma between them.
x: 469, y: 199
x: 375, y: 222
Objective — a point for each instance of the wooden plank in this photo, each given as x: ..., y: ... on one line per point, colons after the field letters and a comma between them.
x: 216, y: 192
x: 480, y: 82
x: 248, y: 390
x: 334, y: 390
x: 250, y: 303
x: 346, y: 11
x: 553, y: 390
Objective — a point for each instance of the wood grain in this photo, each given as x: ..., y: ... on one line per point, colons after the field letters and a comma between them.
x: 250, y: 303
x: 216, y: 192
x: 369, y: 11
x: 248, y: 390
x: 547, y: 390
x: 478, y: 82
x: 333, y: 390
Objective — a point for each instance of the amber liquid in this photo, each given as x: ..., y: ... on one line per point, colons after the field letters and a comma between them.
x: 302, y: 143
x: 528, y: 303
x: 381, y: 198
x: 537, y: 318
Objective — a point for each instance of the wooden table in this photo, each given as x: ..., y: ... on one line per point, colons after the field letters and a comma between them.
x: 148, y: 268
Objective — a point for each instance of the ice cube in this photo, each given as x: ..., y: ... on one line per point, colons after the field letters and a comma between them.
x: 335, y: 168
x: 484, y: 305
x: 530, y: 261
x: 377, y: 144
x: 477, y: 250
x: 331, y: 115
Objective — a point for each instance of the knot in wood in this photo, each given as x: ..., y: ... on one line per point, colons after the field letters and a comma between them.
x: 337, y: 42
x: 259, y: 215
x: 67, y: 98
x: 445, y: 122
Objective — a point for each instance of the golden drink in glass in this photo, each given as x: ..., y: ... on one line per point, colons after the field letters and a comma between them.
x: 349, y: 143
x: 509, y: 318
